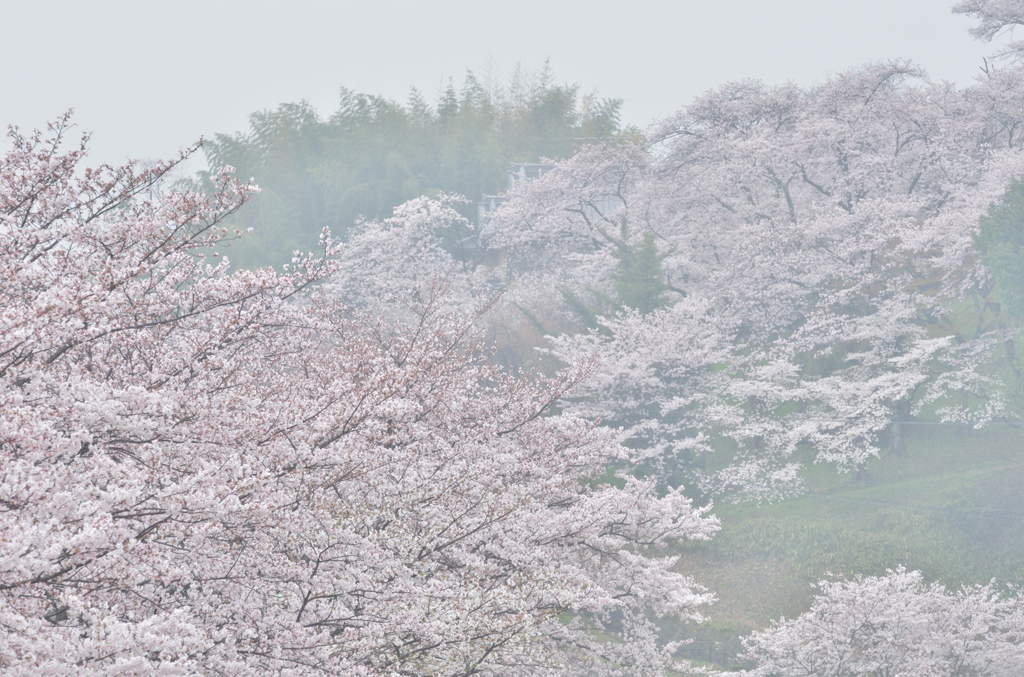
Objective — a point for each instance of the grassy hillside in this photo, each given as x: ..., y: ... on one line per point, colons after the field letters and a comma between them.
x: 951, y: 506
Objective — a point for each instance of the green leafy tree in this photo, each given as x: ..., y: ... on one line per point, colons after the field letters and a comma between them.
x: 640, y: 279
x: 639, y: 282
x: 1000, y: 243
x: 373, y: 154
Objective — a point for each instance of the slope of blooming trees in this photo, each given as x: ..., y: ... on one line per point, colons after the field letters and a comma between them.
x: 817, y: 249
x: 819, y: 280
x: 204, y: 473
x: 898, y: 626
x: 322, y: 471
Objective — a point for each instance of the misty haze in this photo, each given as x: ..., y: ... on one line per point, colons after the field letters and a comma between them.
x: 462, y: 339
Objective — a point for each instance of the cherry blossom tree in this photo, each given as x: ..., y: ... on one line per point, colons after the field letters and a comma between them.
x: 995, y: 18
x: 237, y: 474
x: 386, y: 262
x: 895, y: 625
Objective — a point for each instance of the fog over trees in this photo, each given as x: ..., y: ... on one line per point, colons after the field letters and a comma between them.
x: 372, y: 154
x: 494, y: 385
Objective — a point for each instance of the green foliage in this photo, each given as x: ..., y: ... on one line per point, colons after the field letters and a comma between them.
x: 1000, y: 241
x: 640, y: 278
x: 639, y: 281
x: 373, y: 154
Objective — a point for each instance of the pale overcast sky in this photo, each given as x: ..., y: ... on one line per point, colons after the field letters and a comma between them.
x: 147, y: 78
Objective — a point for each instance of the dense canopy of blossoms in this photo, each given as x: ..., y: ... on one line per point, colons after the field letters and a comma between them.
x: 816, y: 250
x: 234, y: 474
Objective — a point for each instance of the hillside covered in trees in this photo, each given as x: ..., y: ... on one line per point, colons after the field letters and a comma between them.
x: 742, y: 393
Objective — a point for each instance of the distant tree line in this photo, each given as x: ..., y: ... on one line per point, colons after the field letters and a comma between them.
x: 373, y: 154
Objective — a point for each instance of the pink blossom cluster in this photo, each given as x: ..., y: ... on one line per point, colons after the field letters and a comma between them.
x: 895, y: 625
